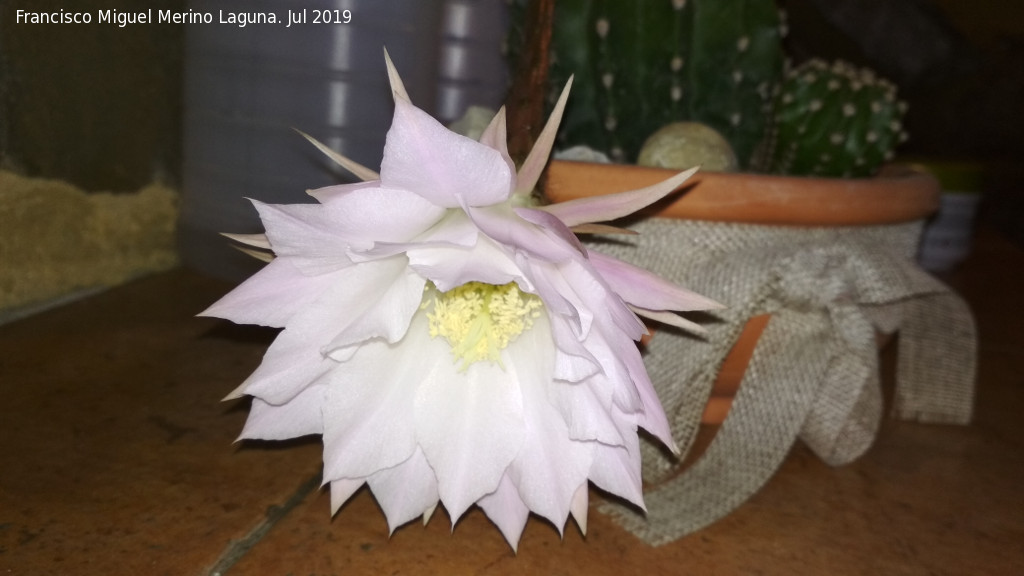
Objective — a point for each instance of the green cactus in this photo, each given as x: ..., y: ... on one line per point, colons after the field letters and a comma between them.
x: 834, y: 120
x: 642, y: 64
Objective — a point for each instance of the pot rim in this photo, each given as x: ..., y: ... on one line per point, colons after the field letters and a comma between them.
x: 900, y: 193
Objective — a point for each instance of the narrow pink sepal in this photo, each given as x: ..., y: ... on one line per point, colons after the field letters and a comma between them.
x: 647, y: 290
x: 612, y: 206
x: 534, y: 164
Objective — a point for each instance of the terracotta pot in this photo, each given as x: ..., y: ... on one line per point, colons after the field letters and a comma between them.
x: 898, y: 194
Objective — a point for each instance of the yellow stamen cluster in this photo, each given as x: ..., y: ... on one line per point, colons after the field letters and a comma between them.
x: 479, y: 320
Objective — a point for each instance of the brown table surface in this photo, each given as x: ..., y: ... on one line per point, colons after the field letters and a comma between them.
x: 116, y: 457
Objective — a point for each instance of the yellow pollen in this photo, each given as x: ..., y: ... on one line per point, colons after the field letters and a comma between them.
x: 479, y: 320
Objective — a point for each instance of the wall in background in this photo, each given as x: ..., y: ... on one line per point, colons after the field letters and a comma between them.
x: 94, y: 104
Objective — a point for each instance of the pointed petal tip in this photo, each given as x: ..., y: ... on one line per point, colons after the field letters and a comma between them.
x: 235, y: 394
x: 397, y: 87
x: 429, y: 513
x: 357, y: 169
x: 580, y: 507
x: 533, y: 166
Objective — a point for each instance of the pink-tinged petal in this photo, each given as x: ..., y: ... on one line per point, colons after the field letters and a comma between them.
x: 652, y: 418
x: 454, y: 229
x: 449, y: 170
x: 580, y: 507
x: 357, y: 169
x: 377, y: 213
x: 602, y: 229
x: 469, y: 425
x: 296, y: 357
x: 307, y: 234
x: 646, y: 290
x: 506, y: 509
x: 599, y: 297
x: 496, y: 137
x: 613, y: 206
x: 300, y: 416
x: 550, y: 286
x: 538, y: 157
x: 342, y: 490
x: 452, y: 266
x: 672, y: 319
x: 271, y: 297
x: 504, y: 225
x: 550, y: 466
x: 615, y: 380
x: 405, y: 491
x: 389, y: 316
x: 553, y: 226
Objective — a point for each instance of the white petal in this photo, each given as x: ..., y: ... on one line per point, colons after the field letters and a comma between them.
x: 369, y: 410
x: 306, y: 233
x: 406, y: 491
x: 616, y: 469
x: 290, y: 365
x: 449, y: 170
x: 452, y: 266
x: 470, y: 427
x: 387, y: 316
x: 453, y: 229
x: 295, y: 358
x: 573, y: 362
x: 300, y: 416
x: 588, y: 416
x: 272, y: 296
x: 506, y: 509
x: 550, y: 466
x: 342, y: 490
x: 370, y: 213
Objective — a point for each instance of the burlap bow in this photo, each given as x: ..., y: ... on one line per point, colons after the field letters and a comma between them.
x: 814, y: 373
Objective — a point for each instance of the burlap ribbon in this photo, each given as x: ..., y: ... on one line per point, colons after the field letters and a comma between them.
x: 814, y: 373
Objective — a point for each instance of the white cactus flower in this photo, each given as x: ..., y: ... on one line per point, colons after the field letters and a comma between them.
x: 451, y: 344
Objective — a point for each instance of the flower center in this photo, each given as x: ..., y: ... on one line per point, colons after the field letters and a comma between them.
x: 479, y: 320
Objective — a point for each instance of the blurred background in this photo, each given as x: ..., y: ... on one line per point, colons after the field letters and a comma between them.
x: 207, y: 111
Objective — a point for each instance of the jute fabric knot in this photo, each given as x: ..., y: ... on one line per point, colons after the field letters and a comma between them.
x: 814, y: 374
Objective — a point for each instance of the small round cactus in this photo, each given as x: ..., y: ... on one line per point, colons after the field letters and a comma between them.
x: 834, y: 120
x: 682, y: 145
